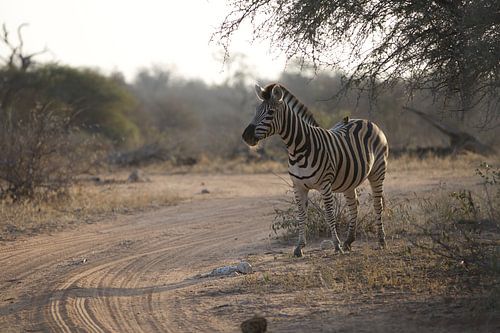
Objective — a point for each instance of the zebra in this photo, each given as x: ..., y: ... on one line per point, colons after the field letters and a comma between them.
x: 330, y: 161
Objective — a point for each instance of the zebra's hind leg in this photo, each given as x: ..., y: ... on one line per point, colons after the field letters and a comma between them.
x: 301, y: 200
x: 377, y: 189
x: 329, y: 201
x: 351, y: 198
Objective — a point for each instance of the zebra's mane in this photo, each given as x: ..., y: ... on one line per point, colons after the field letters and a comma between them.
x: 293, y: 102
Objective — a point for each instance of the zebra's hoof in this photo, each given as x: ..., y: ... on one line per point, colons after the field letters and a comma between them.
x: 338, y: 249
x: 346, y: 247
x: 298, y: 252
x: 382, y: 245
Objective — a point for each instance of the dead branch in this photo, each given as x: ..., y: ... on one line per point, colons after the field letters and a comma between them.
x: 17, y: 58
x: 459, y: 140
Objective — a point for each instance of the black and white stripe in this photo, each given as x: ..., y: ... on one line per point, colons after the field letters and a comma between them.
x: 330, y: 161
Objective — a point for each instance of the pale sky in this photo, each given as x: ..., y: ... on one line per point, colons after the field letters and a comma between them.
x: 128, y: 35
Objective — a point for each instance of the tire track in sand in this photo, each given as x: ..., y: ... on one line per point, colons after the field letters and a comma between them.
x: 99, y: 299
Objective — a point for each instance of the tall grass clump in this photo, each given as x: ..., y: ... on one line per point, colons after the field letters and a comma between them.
x: 286, y: 224
x: 463, y: 226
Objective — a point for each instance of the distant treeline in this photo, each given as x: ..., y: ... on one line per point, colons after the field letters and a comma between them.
x: 188, y: 118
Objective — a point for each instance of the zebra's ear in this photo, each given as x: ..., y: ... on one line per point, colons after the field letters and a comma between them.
x: 277, y: 93
x: 259, y: 92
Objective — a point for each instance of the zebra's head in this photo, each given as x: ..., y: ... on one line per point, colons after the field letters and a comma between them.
x: 266, y: 121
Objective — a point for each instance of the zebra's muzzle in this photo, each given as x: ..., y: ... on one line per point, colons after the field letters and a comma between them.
x: 249, y: 135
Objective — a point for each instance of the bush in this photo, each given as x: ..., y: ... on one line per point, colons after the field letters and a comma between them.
x: 491, y: 183
x: 41, y: 153
x: 463, y: 226
x: 103, y: 104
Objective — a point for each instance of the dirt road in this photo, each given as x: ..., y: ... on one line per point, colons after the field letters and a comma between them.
x: 137, y: 273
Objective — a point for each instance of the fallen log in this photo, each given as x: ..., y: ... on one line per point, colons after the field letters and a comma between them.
x: 459, y: 140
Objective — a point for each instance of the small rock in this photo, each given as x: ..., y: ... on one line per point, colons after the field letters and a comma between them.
x: 205, y: 191
x: 326, y: 245
x: 126, y: 243
x: 256, y: 324
x: 244, y: 267
x: 225, y: 270
x: 137, y: 176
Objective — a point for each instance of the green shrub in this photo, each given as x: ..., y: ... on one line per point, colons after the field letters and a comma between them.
x: 96, y: 103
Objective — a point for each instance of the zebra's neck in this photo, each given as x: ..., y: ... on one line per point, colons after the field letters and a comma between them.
x: 297, y: 125
x: 295, y: 133
x: 298, y: 108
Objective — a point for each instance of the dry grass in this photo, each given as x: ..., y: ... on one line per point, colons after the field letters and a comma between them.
x: 399, y: 217
x: 454, y: 163
x: 462, y: 164
x: 366, y: 270
x: 88, y: 201
x: 222, y: 166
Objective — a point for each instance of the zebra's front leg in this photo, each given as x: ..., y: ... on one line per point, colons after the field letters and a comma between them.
x: 301, y: 200
x: 351, y: 198
x: 329, y: 201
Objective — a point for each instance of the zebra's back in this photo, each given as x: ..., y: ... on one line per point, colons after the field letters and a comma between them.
x: 360, y: 150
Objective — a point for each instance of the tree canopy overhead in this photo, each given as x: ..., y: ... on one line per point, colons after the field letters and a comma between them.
x: 450, y: 47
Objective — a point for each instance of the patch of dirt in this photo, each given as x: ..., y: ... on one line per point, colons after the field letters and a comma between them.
x: 137, y: 273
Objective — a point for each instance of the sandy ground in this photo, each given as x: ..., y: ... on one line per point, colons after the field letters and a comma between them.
x: 137, y: 273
